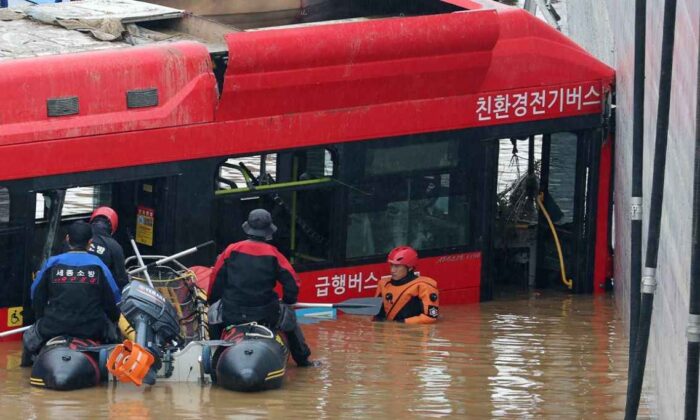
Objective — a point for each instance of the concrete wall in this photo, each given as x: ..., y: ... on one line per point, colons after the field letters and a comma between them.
x: 594, y: 23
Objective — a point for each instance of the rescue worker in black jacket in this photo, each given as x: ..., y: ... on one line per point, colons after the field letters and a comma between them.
x: 244, y: 277
x: 104, y: 221
x: 73, y: 294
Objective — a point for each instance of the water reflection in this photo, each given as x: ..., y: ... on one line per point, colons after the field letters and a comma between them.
x: 542, y: 356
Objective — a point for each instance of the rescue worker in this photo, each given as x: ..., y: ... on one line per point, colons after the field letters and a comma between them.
x: 73, y: 294
x: 104, y: 222
x: 407, y: 297
x: 244, y: 277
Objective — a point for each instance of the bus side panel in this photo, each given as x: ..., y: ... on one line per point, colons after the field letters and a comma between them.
x: 602, y: 240
x: 458, y: 277
x: 180, y: 72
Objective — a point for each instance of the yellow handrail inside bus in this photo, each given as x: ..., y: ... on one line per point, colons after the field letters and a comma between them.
x: 274, y: 186
x: 567, y: 282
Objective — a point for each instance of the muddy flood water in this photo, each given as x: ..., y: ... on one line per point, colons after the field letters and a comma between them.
x: 540, y: 355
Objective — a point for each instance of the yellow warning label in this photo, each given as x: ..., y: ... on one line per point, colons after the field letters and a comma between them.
x: 144, y: 225
x: 14, y: 316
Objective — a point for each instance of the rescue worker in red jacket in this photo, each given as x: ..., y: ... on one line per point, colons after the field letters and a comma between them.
x: 104, y: 222
x: 407, y: 297
x: 244, y: 278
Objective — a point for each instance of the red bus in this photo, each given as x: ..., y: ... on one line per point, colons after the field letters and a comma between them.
x: 365, y: 135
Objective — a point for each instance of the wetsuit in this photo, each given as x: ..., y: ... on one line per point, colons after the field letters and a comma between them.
x: 109, y: 251
x: 74, y: 294
x: 244, y: 277
x: 412, y: 299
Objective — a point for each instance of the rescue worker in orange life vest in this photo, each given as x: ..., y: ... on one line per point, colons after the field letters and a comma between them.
x: 104, y: 222
x: 407, y: 297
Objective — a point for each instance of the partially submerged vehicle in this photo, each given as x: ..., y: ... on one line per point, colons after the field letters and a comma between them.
x: 356, y: 135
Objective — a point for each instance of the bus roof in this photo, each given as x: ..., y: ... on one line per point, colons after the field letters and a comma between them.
x: 294, y: 87
x: 91, y: 25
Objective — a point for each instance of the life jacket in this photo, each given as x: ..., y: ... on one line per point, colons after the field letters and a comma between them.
x: 413, y: 300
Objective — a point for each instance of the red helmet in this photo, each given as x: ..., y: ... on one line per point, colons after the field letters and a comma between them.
x: 403, y: 255
x: 109, y: 214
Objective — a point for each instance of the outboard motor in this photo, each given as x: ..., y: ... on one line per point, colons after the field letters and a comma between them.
x: 156, y: 324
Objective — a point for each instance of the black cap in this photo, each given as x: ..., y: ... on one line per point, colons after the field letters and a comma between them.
x: 259, y: 224
x: 79, y: 234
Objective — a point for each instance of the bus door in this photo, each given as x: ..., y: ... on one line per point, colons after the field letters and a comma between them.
x: 144, y: 207
x: 147, y: 208
x: 297, y: 188
x: 13, y: 249
x: 568, y: 209
x: 546, y: 210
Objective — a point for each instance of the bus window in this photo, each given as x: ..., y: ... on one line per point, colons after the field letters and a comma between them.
x: 295, y: 187
x: 4, y: 206
x: 562, y: 174
x: 413, y: 192
x: 423, y: 211
x: 239, y: 172
x: 412, y: 157
x: 79, y: 201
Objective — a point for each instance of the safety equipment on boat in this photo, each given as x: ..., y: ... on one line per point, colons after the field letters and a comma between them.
x: 403, y: 255
x: 109, y: 214
x: 130, y: 362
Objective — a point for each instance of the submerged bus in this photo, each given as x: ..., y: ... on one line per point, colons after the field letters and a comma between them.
x: 357, y: 135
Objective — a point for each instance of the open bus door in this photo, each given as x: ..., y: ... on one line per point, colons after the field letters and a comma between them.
x: 557, y: 226
x: 298, y: 188
x: 572, y: 179
x: 13, y: 251
x: 147, y: 208
x: 33, y: 225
